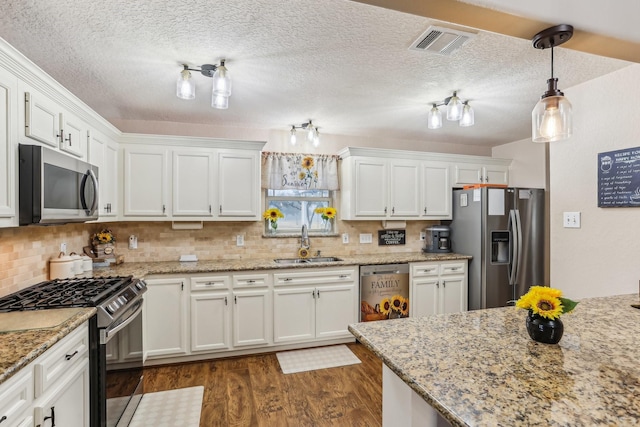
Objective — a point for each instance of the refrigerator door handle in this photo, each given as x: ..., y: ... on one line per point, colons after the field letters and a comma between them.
x: 516, y: 245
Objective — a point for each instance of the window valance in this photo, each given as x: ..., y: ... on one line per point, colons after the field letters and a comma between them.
x: 281, y: 171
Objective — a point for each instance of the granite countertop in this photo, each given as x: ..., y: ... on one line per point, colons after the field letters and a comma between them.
x: 142, y: 269
x: 480, y: 368
x: 26, y: 335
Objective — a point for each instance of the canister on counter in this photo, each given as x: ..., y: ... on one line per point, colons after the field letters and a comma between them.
x: 61, y: 267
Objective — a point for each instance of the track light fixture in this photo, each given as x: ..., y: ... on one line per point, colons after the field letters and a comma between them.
x: 186, y: 88
x: 312, y: 132
x: 456, y: 110
x: 551, y: 117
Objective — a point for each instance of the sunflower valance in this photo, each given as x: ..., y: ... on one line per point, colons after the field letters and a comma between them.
x: 282, y: 171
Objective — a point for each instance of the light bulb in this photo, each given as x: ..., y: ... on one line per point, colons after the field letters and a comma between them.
x: 220, y: 102
x: 185, y: 88
x: 292, y: 138
x: 454, y: 108
x: 467, y: 118
x: 434, y: 119
x: 316, y: 138
x: 310, y: 132
x: 221, y: 81
x: 551, y: 119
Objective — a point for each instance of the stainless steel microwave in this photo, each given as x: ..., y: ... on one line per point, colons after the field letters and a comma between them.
x: 55, y: 188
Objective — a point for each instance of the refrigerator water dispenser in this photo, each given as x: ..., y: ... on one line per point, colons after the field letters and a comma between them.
x: 499, y: 247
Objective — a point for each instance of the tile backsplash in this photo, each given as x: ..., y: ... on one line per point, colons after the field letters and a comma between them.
x: 25, y: 251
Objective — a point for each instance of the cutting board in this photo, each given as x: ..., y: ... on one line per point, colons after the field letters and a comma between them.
x: 35, y: 319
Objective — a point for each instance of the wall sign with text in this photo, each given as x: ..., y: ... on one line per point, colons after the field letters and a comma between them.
x: 391, y: 237
x: 619, y: 178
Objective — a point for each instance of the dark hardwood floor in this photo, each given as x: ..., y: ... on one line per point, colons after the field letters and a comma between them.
x: 253, y: 391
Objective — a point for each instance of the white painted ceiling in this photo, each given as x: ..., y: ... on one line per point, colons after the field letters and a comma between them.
x: 344, y: 64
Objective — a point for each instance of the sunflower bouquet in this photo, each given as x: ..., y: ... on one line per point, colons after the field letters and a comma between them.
x: 273, y: 215
x: 395, y: 307
x: 546, y: 302
x: 327, y: 214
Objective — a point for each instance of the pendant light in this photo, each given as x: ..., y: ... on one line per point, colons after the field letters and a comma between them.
x: 551, y: 117
x: 293, y: 138
x: 454, y: 108
x: 312, y: 133
x: 434, y: 120
x: 186, y: 88
x: 467, y: 118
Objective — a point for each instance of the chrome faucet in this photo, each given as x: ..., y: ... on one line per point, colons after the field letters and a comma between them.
x: 304, y: 238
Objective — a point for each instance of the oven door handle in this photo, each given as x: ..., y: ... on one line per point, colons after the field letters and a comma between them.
x: 108, y: 333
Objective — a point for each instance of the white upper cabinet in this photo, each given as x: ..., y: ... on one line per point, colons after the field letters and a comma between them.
x: 193, y: 183
x: 146, y: 181
x: 201, y: 183
x: 436, y: 191
x: 41, y: 118
x: 409, y: 185
x: 382, y: 188
x: 103, y: 152
x: 238, y: 184
x: 480, y: 173
x: 74, y: 135
x: 8, y: 148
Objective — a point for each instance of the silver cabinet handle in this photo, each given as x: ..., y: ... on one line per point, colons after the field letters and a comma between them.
x: 225, y: 300
x: 287, y: 279
x: 393, y: 210
x: 343, y: 276
x: 69, y: 139
x: 251, y: 281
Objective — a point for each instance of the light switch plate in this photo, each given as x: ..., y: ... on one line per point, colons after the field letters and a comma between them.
x: 366, y: 238
x: 239, y: 240
x: 423, y: 235
x: 571, y: 219
x: 133, y: 242
x: 345, y: 238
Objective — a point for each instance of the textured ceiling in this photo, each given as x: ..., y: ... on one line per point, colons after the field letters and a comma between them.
x: 344, y: 64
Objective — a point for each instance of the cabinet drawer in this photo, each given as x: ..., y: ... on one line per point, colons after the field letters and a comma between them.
x: 315, y: 277
x: 422, y: 270
x: 250, y: 280
x: 16, y: 396
x: 60, y: 358
x: 207, y: 283
x: 452, y: 268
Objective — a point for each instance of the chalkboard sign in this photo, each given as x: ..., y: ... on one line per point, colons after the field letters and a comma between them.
x: 619, y: 178
x: 391, y: 237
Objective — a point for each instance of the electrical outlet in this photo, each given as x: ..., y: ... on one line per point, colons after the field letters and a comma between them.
x: 345, y: 238
x: 423, y: 235
x: 63, y: 248
x: 133, y: 242
x: 366, y: 238
x: 239, y: 240
x: 571, y: 219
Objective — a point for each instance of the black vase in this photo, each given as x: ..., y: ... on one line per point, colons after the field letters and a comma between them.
x: 541, y: 329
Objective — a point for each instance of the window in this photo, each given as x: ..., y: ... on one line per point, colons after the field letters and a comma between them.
x: 299, y: 207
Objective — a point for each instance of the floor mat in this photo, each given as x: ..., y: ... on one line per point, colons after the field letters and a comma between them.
x: 316, y: 358
x: 179, y: 407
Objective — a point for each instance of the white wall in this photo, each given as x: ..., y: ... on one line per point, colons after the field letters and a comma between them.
x: 601, y: 258
x: 528, y: 163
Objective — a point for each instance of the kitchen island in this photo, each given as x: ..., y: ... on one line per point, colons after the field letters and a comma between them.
x: 480, y: 368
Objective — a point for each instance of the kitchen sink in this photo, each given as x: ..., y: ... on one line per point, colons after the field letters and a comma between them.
x: 306, y: 260
x: 324, y: 259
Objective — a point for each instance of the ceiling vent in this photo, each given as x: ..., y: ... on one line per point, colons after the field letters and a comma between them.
x: 441, y: 40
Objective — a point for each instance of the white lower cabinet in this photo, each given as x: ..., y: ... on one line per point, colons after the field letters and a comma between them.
x: 55, y: 386
x: 438, y: 288
x: 191, y: 316
x: 165, y: 317
x: 314, y: 304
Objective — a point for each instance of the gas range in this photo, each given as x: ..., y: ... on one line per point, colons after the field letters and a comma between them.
x: 111, y: 296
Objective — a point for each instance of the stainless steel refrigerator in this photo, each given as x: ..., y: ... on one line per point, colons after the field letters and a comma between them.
x: 503, y: 229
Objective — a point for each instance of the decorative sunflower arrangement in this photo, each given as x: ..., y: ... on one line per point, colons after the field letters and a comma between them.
x: 546, y: 302
x: 103, y: 237
x: 327, y: 214
x: 273, y: 215
x: 395, y: 307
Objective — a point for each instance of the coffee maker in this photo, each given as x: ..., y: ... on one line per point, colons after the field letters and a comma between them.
x: 437, y: 239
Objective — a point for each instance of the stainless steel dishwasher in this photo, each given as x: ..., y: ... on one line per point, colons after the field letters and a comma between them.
x: 384, y: 292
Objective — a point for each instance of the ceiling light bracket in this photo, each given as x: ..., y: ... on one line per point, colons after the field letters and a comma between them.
x: 552, y: 37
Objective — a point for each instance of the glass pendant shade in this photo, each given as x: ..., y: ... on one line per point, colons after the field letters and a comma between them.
x: 316, y: 138
x: 185, y: 88
x: 434, y: 119
x: 467, y: 118
x: 221, y: 81
x: 292, y: 138
x: 310, y: 132
x: 551, y: 119
x: 220, y: 102
x: 454, y: 108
